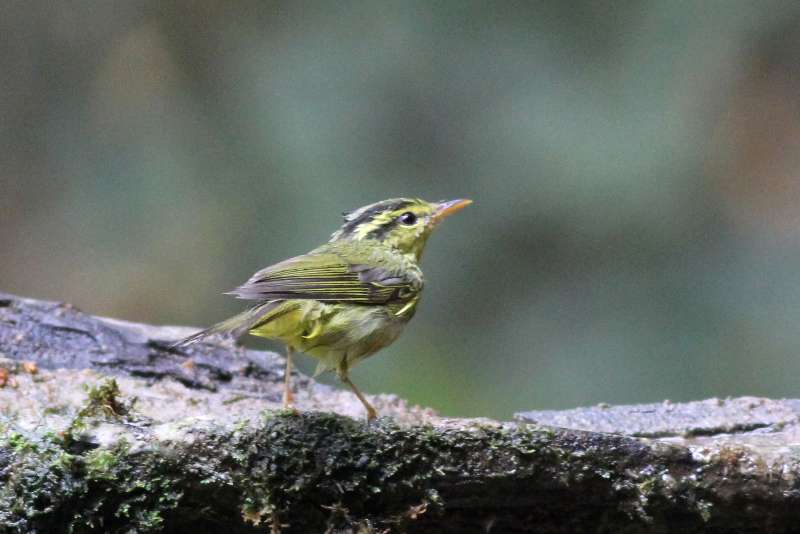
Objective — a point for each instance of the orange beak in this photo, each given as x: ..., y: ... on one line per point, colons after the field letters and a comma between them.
x: 449, y: 207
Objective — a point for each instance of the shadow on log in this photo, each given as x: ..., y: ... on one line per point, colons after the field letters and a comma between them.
x: 104, y: 428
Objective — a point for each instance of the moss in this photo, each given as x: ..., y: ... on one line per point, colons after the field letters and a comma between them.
x: 20, y: 443
x: 320, y: 469
x: 317, y: 472
x: 45, y: 485
x: 101, y: 489
x: 35, y: 483
x: 104, y: 402
x: 105, y: 399
x: 102, y: 464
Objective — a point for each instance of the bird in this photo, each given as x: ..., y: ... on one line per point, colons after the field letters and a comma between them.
x: 346, y: 299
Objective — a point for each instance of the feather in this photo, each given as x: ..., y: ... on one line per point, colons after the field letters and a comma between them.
x: 236, y: 326
x: 325, y: 276
x: 356, y: 218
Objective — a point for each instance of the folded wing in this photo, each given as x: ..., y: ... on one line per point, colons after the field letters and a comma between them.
x: 327, y: 277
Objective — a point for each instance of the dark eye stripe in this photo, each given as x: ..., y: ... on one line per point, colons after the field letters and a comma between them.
x: 381, y: 231
x: 350, y: 226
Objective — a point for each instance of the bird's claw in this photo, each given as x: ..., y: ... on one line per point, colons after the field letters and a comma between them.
x: 372, y: 415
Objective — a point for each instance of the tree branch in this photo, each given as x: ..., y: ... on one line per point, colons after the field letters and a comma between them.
x: 194, y: 439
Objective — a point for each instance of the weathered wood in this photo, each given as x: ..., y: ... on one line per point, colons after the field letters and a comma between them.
x: 194, y: 439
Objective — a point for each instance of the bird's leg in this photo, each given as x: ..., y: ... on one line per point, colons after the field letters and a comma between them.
x: 288, y: 398
x: 371, y: 413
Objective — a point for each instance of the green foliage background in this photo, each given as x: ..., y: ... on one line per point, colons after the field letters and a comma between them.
x: 635, y: 168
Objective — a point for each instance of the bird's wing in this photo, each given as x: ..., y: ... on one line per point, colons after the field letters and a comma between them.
x: 328, y: 277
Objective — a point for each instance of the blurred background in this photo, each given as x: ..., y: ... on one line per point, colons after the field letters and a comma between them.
x: 635, y: 168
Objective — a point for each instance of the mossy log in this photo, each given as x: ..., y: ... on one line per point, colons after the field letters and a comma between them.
x: 104, y: 428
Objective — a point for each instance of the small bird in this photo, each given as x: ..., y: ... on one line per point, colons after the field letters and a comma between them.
x: 348, y: 298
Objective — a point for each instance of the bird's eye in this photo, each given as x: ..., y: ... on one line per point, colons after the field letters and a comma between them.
x: 408, y: 218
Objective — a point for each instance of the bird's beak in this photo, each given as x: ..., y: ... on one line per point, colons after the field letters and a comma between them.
x: 449, y: 207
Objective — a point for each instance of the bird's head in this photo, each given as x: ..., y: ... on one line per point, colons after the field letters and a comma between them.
x: 401, y: 223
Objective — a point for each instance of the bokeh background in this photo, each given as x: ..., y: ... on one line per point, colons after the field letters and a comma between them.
x: 635, y: 168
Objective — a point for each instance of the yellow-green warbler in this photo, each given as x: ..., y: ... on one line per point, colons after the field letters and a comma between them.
x: 348, y: 298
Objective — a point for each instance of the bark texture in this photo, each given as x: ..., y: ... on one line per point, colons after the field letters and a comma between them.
x: 104, y: 428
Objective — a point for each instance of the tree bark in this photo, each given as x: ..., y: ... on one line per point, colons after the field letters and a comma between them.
x: 104, y: 427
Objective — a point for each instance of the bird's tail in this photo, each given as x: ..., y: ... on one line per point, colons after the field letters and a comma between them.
x: 236, y: 326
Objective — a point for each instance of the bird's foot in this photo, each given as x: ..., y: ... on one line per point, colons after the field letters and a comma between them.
x: 372, y: 415
x: 288, y: 402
